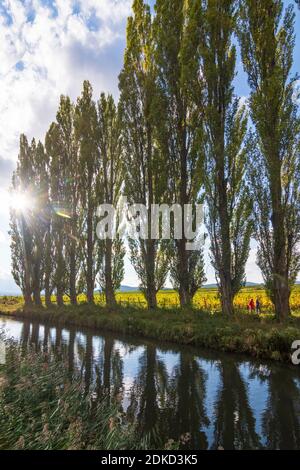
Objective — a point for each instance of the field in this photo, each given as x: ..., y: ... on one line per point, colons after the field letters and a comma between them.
x: 208, y: 299
x: 205, y: 299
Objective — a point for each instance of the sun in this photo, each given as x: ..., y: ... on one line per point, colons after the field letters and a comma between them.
x: 20, y: 202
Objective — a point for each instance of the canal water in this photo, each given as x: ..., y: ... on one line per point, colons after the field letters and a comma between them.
x: 208, y: 399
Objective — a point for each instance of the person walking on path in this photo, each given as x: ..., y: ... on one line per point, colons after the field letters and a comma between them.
x: 257, y: 306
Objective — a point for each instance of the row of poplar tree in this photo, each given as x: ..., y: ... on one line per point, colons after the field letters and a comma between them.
x: 179, y: 134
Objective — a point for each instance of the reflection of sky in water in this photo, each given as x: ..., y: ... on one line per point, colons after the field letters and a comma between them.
x: 65, y: 336
x: 212, y: 386
x: 11, y: 328
x: 258, y: 392
x: 170, y: 360
x: 254, y: 376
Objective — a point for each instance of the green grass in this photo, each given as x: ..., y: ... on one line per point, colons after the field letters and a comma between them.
x: 258, y: 336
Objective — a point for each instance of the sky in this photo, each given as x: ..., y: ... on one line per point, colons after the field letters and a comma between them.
x: 48, y: 48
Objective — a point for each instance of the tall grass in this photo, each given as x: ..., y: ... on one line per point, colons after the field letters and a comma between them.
x: 42, y: 407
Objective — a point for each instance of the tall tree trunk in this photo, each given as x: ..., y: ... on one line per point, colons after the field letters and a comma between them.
x: 60, y: 266
x: 48, y: 269
x: 226, y: 294
x: 149, y: 244
x: 37, y: 282
x: 281, y: 291
x: 222, y: 207
x: 183, y: 254
x: 73, y: 293
x: 109, y: 289
x: 89, y: 279
x: 27, y: 297
x: 48, y: 301
x: 27, y: 291
x: 36, y: 271
x: 182, y: 266
x: 60, y: 296
x: 37, y: 296
x: 150, y: 268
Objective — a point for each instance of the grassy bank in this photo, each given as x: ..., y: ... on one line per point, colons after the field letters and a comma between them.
x: 43, y: 408
x: 257, y: 336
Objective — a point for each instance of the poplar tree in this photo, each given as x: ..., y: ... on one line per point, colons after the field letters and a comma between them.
x: 111, y: 152
x: 69, y: 150
x: 227, y: 198
x: 267, y: 41
x: 21, y: 236
x: 20, y: 266
x: 180, y: 130
x: 143, y: 162
x: 89, y: 166
x: 57, y: 178
x: 38, y: 219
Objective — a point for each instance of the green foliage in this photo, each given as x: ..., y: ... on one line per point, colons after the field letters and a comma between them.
x: 180, y: 125
x: 86, y: 127
x: 274, y: 172
x: 111, y: 269
x: 228, y: 202
x: 29, y: 225
x: 145, y: 178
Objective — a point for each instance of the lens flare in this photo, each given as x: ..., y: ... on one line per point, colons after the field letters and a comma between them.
x: 20, y: 202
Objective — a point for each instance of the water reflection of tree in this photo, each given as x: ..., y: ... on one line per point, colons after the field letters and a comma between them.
x: 88, y: 361
x: 109, y: 370
x: 34, y: 339
x: 171, y: 406
x: 25, y: 333
x: 71, y: 351
x: 148, y: 396
x: 281, y: 418
x: 187, y: 400
x: 57, y: 342
x: 234, y: 419
x: 46, y: 337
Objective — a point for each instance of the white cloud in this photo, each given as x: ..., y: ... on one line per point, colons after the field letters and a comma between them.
x: 3, y: 238
x: 47, y: 51
x: 50, y: 55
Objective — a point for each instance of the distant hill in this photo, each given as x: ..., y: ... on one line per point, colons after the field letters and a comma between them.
x: 125, y: 288
x: 128, y: 289
x: 248, y: 284
x: 15, y: 292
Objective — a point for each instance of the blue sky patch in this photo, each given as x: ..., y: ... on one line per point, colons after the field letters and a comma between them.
x: 52, y: 7
x: 20, y: 66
